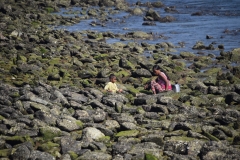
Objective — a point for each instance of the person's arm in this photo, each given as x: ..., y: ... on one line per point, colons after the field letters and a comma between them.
x: 120, y: 90
x: 152, y: 86
x: 117, y: 89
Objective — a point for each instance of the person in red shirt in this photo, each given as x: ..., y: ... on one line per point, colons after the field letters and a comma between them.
x: 162, y: 83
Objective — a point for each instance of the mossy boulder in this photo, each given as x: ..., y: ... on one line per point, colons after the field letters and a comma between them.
x: 5, y: 152
x: 129, y: 133
x: 124, y: 63
x: 100, y: 57
x: 210, y: 136
x: 235, y: 55
x: 149, y: 156
x: 187, y: 55
x: 73, y: 155
x: 152, y: 14
x: 17, y: 139
x: 48, y: 133
x: 49, y: 147
x: 137, y: 11
x: 140, y: 34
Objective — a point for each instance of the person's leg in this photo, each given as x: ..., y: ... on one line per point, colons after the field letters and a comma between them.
x: 155, y: 87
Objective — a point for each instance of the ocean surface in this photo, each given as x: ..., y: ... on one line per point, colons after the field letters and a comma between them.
x: 219, y: 19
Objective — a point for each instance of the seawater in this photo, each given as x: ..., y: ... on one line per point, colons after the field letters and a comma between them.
x: 219, y: 19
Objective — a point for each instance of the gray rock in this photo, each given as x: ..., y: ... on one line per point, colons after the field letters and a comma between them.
x: 153, y: 14
x: 99, y: 115
x: 148, y: 99
x: 111, y: 124
x: 155, y: 138
x: 140, y: 149
x: 69, y: 144
x: 68, y: 123
x: 123, y: 117
x: 23, y: 152
x: 61, y: 97
x: 96, y: 93
x: 152, y: 115
x: 83, y: 116
x: 142, y: 73
x: 129, y: 125
x: 26, y: 68
x: 164, y: 100
x: 121, y: 148
x: 95, y: 155
x: 112, y: 99
x: 65, y: 157
x: 137, y: 11
x: 46, y: 117
x: 35, y: 154
x: 97, y: 104
x: 78, y: 97
x: 27, y: 132
x: 90, y: 134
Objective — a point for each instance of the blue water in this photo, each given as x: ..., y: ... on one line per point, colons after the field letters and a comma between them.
x: 219, y: 19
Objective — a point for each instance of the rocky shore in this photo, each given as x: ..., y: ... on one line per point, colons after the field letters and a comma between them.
x: 52, y: 103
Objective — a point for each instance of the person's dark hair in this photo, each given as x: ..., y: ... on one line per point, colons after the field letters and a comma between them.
x: 111, y: 76
x: 157, y: 67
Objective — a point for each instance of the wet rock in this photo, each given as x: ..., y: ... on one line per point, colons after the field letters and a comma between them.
x: 167, y: 19
x: 140, y: 34
x: 197, y: 14
x: 157, y: 4
x: 153, y: 15
x: 137, y: 11
x: 199, y: 45
x: 187, y: 55
x: 235, y: 55
x: 171, y: 9
x: 149, y: 23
